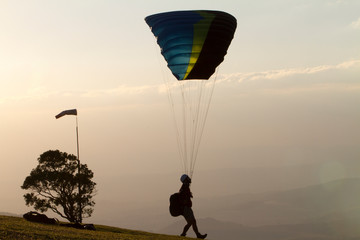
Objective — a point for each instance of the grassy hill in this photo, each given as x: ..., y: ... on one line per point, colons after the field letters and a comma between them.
x: 18, y: 228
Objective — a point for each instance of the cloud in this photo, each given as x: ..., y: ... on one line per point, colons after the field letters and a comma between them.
x: 42, y: 93
x: 119, y: 91
x: 355, y: 24
x: 282, y: 73
x: 34, y: 93
x: 340, y: 77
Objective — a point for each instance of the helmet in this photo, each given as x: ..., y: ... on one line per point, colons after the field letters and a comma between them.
x: 183, y: 177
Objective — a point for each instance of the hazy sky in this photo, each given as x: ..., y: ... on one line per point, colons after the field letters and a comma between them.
x: 288, y: 91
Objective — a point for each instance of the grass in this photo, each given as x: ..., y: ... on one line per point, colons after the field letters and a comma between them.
x: 19, y: 228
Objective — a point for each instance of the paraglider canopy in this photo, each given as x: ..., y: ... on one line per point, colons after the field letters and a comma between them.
x: 193, y: 43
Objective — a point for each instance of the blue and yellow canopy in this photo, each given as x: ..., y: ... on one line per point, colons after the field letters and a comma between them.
x: 193, y: 43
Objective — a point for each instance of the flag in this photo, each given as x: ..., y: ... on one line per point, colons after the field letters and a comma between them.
x: 66, y: 112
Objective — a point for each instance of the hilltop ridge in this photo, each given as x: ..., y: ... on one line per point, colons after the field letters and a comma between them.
x: 18, y: 228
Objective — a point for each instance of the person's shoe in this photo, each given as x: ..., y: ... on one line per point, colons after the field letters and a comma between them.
x: 201, y: 236
x: 183, y: 235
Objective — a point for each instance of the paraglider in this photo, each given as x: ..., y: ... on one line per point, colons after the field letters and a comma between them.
x: 193, y: 44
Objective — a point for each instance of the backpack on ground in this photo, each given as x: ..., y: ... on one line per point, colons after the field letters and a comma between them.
x: 38, y: 217
x: 176, y: 208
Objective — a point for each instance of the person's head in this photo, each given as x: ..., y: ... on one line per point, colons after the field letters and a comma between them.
x: 185, y: 178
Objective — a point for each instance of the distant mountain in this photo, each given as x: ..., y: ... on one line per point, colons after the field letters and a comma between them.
x: 216, y: 230
x: 10, y: 214
x: 320, y: 212
x: 314, y: 204
x: 302, y: 205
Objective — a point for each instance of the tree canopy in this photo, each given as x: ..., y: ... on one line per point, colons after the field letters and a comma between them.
x: 57, y: 185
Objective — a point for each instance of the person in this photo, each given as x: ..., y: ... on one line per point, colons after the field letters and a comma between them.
x: 185, y: 196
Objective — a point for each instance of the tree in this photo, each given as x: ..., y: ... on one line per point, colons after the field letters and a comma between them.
x: 54, y: 185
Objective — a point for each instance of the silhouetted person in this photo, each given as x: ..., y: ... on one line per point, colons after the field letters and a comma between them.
x: 185, y: 196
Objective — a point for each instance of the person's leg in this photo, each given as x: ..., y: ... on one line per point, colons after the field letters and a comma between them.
x: 191, y: 221
x: 196, y: 230
x: 189, y: 217
x: 186, y: 228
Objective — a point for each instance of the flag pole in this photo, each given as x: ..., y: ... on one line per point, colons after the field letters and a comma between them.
x: 74, y: 112
x: 78, y: 158
x: 77, y: 138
